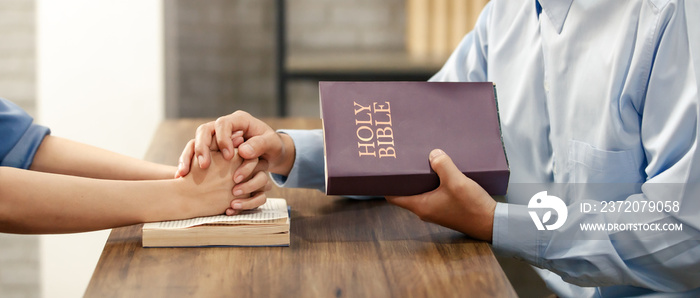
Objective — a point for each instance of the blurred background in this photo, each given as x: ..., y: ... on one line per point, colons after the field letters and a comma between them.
x: 107, y: 72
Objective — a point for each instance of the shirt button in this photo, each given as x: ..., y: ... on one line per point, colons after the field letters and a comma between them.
x: 546, y: 86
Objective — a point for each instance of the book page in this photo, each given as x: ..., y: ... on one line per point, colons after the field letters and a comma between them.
x: 272, y: 209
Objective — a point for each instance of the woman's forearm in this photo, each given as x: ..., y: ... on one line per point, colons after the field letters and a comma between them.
x: 62, y: 156
x: 35, y: 202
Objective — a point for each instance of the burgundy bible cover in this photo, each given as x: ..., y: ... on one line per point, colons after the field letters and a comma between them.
x: 378, y: 135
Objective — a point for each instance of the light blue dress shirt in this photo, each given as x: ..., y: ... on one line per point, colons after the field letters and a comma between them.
x: 591, y: 93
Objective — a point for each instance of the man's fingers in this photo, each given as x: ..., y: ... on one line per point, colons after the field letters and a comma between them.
x: 408, y: 202
x: 268, y: 185
x: 213, y: 146
x: 246, y: 123
x: 202, y: 142
x: 255, y: 146
x: 245, y: 170
x: 421, y: 205
x: 249, y: 167
x: 258, y: 182
x: 253, y: 202
x: 184, y: 162
x: 223, y: 132
x: 418, y: 204
x: 237, y: 138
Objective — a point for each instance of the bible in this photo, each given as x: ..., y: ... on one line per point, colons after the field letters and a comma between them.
x: 267, y: 225
x: 378, y: 135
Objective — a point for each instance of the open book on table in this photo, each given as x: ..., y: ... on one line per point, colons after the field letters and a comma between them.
x: 267, y: 225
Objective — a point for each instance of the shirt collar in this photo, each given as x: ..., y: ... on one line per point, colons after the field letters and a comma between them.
x: 556, y: 11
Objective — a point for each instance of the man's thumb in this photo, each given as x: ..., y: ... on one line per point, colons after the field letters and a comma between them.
x: 442, y: 165
x: 253, y: 148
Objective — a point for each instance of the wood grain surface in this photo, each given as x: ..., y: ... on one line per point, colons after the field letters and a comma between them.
x: 339, y: 248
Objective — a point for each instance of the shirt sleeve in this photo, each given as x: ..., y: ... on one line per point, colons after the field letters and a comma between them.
x: 469, y: 60
x: 20, y: 137
x: 637, y: 255
x: 308, y: 170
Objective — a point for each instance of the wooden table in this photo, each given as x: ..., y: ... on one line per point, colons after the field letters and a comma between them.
x: 339, y: 248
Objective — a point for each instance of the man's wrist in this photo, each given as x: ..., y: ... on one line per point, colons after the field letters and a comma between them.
x: 287, y: 156
x: 488, y: 221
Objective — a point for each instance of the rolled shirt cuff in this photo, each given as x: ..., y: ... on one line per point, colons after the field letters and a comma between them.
x: 515, y: 235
